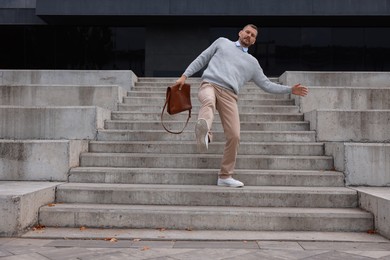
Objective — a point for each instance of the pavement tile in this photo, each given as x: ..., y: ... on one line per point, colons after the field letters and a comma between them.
x: 211, y: 254
x: 372, y: 254
x: 32, y: 256
x: 4, y: 252
x: 118, y: 255
x: 66, y: 253
x: 26, y: 242
x: 153, y: 244
x: 345, y: 246
x: 4, y: 240
x: 290, y: 254
x: 256, y: 255
x: 151, y: 253
x: 20, y: 250
x: 334, y: 255
x: 90, y: 243
x: 279, y: 245
x: 217, y: 244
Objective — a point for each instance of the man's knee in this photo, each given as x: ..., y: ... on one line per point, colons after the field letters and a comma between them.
x: 233, y: 137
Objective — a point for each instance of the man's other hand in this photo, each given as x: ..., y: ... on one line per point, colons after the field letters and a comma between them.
x: 299, y: 90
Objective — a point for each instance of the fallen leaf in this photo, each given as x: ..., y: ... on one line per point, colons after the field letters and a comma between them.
x: 83, y: 228
x: 145, y: 248
x: 111, y: 239
x: 371, y: 231
x: 136, y: 239
x: 51, y: 205
x: 38, y: 227
x: 189, y: 229
x: 161, y: 229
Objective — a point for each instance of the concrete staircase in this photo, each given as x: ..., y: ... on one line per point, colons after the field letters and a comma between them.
x: 135, y: 175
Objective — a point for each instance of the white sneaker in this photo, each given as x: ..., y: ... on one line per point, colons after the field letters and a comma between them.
x: 202, y: 137
x: 230, y: 182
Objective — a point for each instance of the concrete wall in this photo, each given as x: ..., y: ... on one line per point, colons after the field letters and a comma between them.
x: 51, y: 122
x: 346, y: 98
x: 20, y: 202
x: 39, y: 160
x: 335, y: 79
x: 61, y: 95
x: 364, y: 164
x: 367, y: 164
x: 377, y: 201
x: 358, y: 142
x: 350, y: 125
x: 121, y: 78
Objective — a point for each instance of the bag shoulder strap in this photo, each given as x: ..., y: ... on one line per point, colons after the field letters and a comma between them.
x: 162, y: 121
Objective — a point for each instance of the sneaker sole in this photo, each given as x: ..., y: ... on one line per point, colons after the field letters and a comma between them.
x: 201, y: 132
x: 225, y: 185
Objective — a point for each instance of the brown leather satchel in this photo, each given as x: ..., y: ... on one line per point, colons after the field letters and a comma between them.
x: 178, y: 99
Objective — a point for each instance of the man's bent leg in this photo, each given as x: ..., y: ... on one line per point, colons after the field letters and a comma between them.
x: 206, y: 96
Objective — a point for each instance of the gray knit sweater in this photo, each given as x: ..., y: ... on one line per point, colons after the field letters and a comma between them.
x: 230, y: 67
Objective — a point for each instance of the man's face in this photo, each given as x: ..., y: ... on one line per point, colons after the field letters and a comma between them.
x: 247, y: 36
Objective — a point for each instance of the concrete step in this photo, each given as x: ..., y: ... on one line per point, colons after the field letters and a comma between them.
x: 242, y: 109
x: 189, y: 147
x: 162, y: 87
x: 218, y: 136
x: 249, y: 102
x: 206, y: 218
x: 205, y: 236
x: 205, y: 161
x: 251, y: 117
x: 172, y: 80
x: 180, y: 176
x: 217, y: 126
x: 205, y: 195
x: 254, y: 95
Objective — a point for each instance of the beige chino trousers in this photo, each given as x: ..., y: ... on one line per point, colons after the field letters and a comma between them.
x: 213, y: 97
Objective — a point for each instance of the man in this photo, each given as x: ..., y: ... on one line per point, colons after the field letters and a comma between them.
x: 229, y: 67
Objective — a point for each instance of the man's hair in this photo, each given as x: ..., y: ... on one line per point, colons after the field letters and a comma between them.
x: 251, y: 25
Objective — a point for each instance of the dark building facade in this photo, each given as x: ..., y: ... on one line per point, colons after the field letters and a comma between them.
x: 161, y: 37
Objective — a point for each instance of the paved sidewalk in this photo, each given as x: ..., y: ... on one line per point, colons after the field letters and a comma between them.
x: 112, y: 248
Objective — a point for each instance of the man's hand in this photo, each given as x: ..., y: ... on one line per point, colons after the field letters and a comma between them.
x: 181, y: 80
x: 299, y: 90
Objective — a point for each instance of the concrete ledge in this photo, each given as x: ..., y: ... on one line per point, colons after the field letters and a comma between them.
x: 350, y: 125
x: 122, y: 78
x: 39, y: 160
x: 377, y: 201
x: 365, y: 164
x: 62, y: 95
x: 342, y: 78
x: 51, y: 123
x: 345, y: 98
x: 20, y: 202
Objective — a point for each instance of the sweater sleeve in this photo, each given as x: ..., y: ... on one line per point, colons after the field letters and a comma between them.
x: 264, y: 83
x: 202, y: 60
